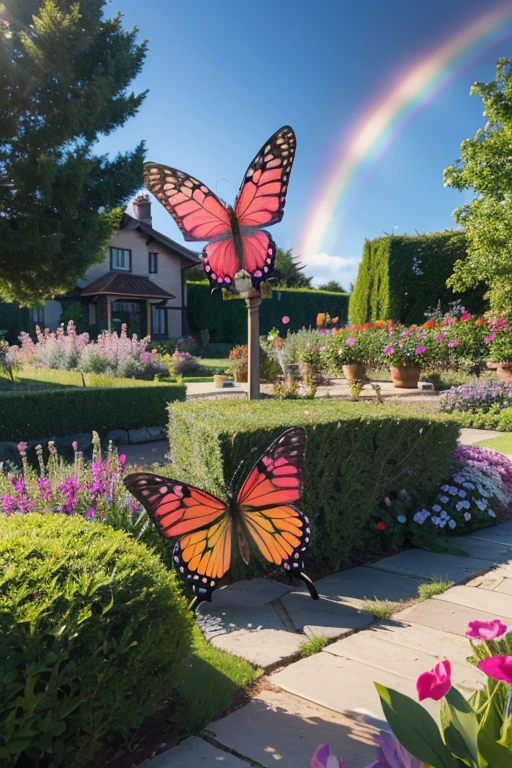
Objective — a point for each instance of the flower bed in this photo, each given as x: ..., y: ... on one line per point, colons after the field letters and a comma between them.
x: 482, y: 404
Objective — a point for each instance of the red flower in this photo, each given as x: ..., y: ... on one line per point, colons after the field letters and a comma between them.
x: 381, y: 526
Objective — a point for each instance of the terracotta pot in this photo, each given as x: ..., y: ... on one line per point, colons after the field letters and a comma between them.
x: 218, y: 380
x: 504, y: 371
x: 242, y: 375
x: 354, y: 371
x: 308, y: 373
x: 406, y: 377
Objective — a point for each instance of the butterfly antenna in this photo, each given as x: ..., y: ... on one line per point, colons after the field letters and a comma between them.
x: 194, y: 603
x: 309, y: 584
x: 235, y: 473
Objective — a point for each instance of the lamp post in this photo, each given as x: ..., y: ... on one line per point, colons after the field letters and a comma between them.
x: 243, y: 285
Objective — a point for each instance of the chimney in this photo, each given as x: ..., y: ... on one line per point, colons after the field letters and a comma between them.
x: 142, y: 208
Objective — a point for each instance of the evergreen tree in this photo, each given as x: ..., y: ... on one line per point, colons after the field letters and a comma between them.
x: 65, y: 72
x: 289, y: 271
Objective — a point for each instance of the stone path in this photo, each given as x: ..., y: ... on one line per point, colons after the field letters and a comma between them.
x: 330, y: 696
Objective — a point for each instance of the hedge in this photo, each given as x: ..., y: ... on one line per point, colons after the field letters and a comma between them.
x: 356, y: 454
x: 13, y: 320
x: 94, y: 634
x: 56, y: 413
x: 227, y: 320
x: 63, y: 378
x: 402, y: 276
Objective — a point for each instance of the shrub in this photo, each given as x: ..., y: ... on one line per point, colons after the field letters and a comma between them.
x: 184, y: 364
x: 227, y: 320
x: 55, y: 413
x: 93, y: 634
x: 478, y: 396
x: 356, y: 454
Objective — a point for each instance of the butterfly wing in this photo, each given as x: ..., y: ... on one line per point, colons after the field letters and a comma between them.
x: 200, y: 522
x: 261, y: 199
x: 221, y: 262
x: 197, y: 211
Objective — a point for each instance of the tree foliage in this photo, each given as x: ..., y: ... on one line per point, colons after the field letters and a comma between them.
x: 65, y: 73
x: 289, y: 271
x: 485, y: 167
x: 333, y: 286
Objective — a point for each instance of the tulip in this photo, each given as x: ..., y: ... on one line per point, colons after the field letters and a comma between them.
x: 391, y: 754
x: 498, y: 667
x: 436, y: 683
x: 324, y: 758
x: 486, y: 630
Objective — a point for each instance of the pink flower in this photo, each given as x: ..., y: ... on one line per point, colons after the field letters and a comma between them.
x: 490, y: 338
x: 486, y: 630
x: 453, y: 343
x: 285, y: 320
x: 498, y: 667
x: 324, y: 758
x: 307, y: 413
x: 122, y: 459
x: 6, y: 23
x: 436, y: 683
x: 350, y: 340
x: 22, y: 447
x: 91, y: 512
x: 420, y: 350
x: 387, y: 501
x: 388, y: 350
x: 439, y: 336
x: 75, y: 445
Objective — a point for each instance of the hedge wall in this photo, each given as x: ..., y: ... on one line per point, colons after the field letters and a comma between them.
x: 13, y: 320
x: 401, y: 276
x: 356, y: 454
x: 227, y: 320
x: 56, y: 413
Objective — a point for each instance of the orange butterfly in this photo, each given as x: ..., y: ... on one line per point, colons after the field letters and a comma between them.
x: 208, y: 530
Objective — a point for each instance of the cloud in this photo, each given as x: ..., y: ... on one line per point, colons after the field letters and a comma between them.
x: 324, y: 267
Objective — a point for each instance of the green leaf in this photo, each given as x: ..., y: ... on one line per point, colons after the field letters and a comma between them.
x: 492, y: 753
x: 415, y: 729
x: 460, y: 726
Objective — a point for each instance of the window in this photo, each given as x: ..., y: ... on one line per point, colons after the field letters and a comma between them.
x: 152, y: 263
x: 38, y: 315
x: 159, y: 321
x: 121, y: 259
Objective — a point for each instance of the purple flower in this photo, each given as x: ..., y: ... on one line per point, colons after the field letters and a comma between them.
x: 45, y: 488
x: 324, y: 758
x: 19, y: 485
x: 453, y: 343
x: 91, y: 512
x: 387, y: 501
x: 388, y: 350
x: 439, y: 336
x: 420, y: 350
x: 490, y: 338
x: 391, y: 754
x: 122, y: 459
x: 350, y: 340
x: 8, y: 502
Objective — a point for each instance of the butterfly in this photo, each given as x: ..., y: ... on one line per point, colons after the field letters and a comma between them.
x: 207, y: 531
x: 236, y: 238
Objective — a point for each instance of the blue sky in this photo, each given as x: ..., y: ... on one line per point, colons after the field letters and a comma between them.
x: 223, y: 75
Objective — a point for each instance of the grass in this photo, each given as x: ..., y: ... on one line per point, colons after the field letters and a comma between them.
x: 434, y: 587
x: 312, y: 645
x: 503, y: 444
x: 381, y: 609
x: 213, y: 362
x: 211, y: 679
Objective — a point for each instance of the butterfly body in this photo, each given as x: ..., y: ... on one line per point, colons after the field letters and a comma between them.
x: 235, y: 236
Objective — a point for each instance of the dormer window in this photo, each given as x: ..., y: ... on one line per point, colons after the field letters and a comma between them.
x: 121, y: 259
x: 153, y: 263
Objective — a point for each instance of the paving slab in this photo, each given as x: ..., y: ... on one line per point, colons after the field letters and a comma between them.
x: 323, y: 617
x: 445, y: 616
x: 501, y: 534
x: 195, y: 753
x: 343, y: 685
x: 248, y: 592
x: 264, y: 647
x: 217, y: 622
x: 416, y: 563
x: 481, y: 549
x: 427, y: 639
x: 371, y: 649
x: 355, y: 585
x: 478, y: 600
x: 488, y: 581
x: 504, y: 586
x: 276, y: 728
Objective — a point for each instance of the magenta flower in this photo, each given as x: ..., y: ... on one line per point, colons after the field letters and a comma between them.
x: 436, y: 683
x: 285, y: 320
x: 453, y: 343
x: 486, y: 630
x: 74, y: 445
x: 388, y: 350
x: 439, y: 336
x: 498, y: 667
x: 420, y: 350
x: 122, y: 459
x: 324, y: 758
x: 22, y: 447
x: 490, y: 338
x: 91, y: 512
x: 350, y: 340
x: 391, y: 754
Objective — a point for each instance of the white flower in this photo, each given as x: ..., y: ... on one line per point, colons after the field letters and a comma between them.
x: 482, y: 504
x: 491, y: 513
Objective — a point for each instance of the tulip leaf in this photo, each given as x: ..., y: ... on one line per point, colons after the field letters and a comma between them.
x: 415, y: 729
x: 492, y: 753
x: 460, y: 727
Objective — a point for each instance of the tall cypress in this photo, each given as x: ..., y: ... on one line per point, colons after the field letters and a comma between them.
x: 65, y: 74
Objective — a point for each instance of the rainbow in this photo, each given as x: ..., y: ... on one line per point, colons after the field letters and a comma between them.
x: 381, y: 123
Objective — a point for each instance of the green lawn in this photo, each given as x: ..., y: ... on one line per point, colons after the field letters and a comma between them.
x: 211, y: 679
x: 503, y: 444
x: 213, y: 362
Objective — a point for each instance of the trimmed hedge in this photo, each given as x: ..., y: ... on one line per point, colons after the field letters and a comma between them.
x: 227, y: 320
x: 13, y: 320
x: 94, y: 633
x: 60, y: 412
x: 401, y: 276
x: 356, y: 454
x: 63, y: 378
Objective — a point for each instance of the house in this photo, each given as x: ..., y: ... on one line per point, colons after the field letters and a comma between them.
x: 140, y: 283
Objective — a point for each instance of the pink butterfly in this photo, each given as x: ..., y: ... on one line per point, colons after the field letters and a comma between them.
x: 236, y: 240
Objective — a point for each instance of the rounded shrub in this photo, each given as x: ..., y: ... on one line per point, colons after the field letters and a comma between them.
x: 93, y: 634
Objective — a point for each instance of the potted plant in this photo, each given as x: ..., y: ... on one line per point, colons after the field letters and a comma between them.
x: 218, y: 379
x: 406, y: 353
x: 350, y: 352
x: 239, y: 363
x: 500, y: 349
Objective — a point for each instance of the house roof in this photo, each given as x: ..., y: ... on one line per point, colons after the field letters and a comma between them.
x: 129, y: 222
x: 122, y: 284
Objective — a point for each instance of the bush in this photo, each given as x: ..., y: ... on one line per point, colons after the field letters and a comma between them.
x: 93, y: 634
x: 478, y: 396
x: 55, y: 413
x: 356, y: 454
x: 400, y: 276
x: 227, y: 320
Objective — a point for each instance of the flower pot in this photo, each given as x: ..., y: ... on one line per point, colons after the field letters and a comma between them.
x: 308, y: 373
x: 406, y: 377
x: 241, y: 375
x: 354, y: 371
x: 218, y: 380
x: 504, y: 371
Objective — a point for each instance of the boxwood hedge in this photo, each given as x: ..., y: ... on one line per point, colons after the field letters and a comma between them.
x: 356, y: 454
